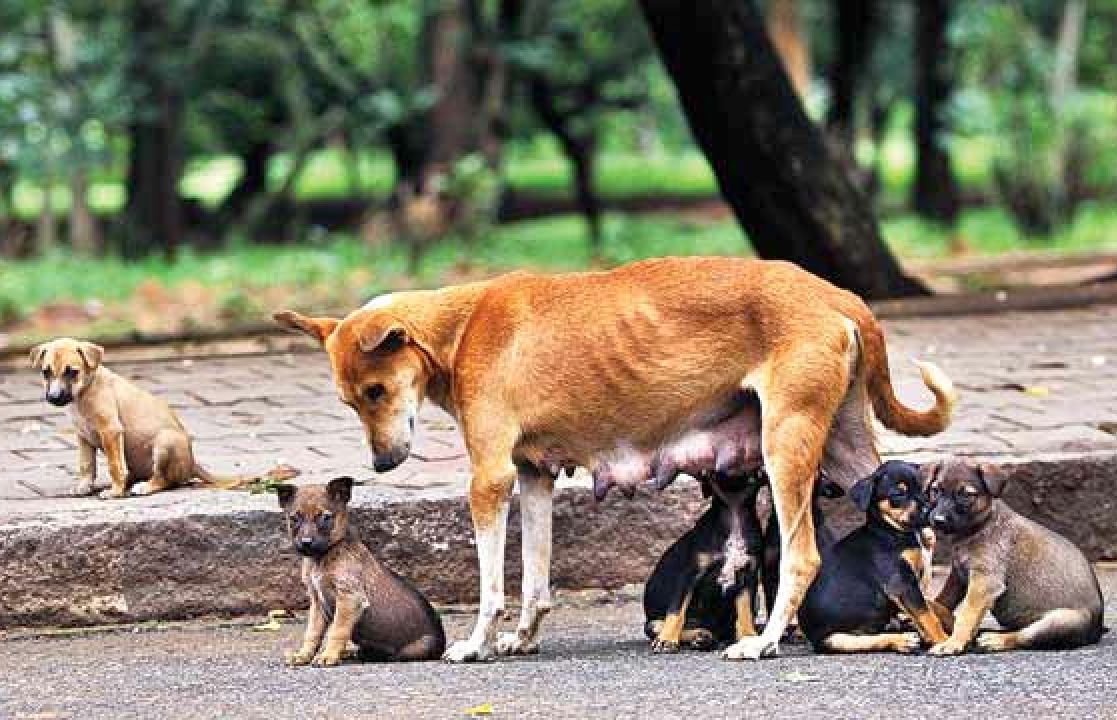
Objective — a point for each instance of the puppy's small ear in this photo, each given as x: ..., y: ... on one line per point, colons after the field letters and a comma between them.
x: 340, y: 489
x: 830, y: 489
x: 38, y: 354
x: 862, y: 492
x: 383, y: 340
x: 317, y: 328
x: 992, y: 477
x: 286, y: 494
x: 91, y: 355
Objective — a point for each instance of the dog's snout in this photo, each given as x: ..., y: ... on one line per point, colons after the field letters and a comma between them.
x: 58, y: 396
x: 383, y: 462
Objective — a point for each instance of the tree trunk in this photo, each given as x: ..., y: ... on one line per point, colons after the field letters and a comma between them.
x: 935, y: 193
x: 579, y: 148
x: 83, y: 226
x: 451, y: 120
x: 771, y: 163
x: 46, y: 229
x: 253, y: 181
x: 154, y: 213
x: 786, y: 31
x: 854, y: 29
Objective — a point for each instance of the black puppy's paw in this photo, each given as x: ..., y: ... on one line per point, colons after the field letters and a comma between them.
x: 661, y: 646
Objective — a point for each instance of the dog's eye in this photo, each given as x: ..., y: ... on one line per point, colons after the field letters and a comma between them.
x: 46, y: 373
x: 325, y: 519
x: 70, y: 373
x: 374, y: 392
x: 297, y: 518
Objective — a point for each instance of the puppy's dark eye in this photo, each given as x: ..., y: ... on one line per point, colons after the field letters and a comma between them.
x: 297, y: 517
x: 70, y: 373
x: 374, y: 392
x: 47, y: 373
x: 325, y: 519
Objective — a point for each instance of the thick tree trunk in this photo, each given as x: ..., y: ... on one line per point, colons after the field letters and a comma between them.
x: 772, y: 165
x: 854, y: 29
x: 453, y: 117
x: 935, y: 193
x: 785, y: 28
x: 253, y: 181
x: 154, y: 213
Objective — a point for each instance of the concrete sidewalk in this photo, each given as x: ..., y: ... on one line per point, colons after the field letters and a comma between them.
x: 1038, y: 391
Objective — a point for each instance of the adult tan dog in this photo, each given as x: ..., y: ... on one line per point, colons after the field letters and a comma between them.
x: 655, y: 368
x: 147, y: 447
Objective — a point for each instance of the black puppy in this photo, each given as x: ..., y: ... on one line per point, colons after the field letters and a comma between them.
x: 702, y: 592
x: 874, y: 573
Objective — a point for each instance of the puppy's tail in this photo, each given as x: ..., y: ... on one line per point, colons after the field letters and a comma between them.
x: 277, y: 474
x: 878, y: 380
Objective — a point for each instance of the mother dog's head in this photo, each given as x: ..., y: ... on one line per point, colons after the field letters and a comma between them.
x: 380, y: 372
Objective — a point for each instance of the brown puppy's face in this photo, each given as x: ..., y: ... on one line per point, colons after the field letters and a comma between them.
x: 317, y: 515
x: 962, y: 495
x: 893, y: 495
x: 66, y: 366
x: 379, y: 371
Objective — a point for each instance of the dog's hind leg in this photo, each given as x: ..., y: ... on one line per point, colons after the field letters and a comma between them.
x: 884, y: 642
x: 1057, y: 630
x: 796, y: 422
x: 164, y: 465
x: 489, y: 493
x: 536, y: 495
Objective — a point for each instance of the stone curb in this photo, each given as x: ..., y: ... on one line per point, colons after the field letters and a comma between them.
x: 173, y: 563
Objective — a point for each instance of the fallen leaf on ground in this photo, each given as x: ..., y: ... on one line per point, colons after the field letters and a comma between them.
x: 796, y: 676
x: 482, y: 709
x: 1037, y: 391
x: 270, y: 626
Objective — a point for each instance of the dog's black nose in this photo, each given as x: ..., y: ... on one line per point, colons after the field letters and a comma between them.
x: 304, y: 544
x: 59, y: 397
x: 940, y: 522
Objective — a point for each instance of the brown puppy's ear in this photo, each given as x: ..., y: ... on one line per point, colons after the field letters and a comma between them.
x: 91, y: 354
x: 317, y: 328
x: 38, y: 354
x: 286, y: 494
x: 992, y: 477
x: 862, y: 492
x: 384, y: 340
x: 340, y: 489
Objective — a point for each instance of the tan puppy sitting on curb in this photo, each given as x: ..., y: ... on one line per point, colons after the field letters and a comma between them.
x: 641, y: 373
x: 1038, y: 585
x: 147, y: 447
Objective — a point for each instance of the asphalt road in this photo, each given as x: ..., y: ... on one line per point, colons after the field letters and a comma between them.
x: 595, y: 663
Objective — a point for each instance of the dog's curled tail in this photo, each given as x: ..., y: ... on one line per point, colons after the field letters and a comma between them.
x: 878, y: 380
x: 277, y: 474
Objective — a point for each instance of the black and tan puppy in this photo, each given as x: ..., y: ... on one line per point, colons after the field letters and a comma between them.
x: 702, y: 592
x: 1039, y: 586
x: 353, y: 596
x: 874, y: 573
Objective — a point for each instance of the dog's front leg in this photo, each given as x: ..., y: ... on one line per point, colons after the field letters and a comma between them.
x: 87, y: 468
x: 112, y: 440
x: 489, y: 495
x: 347, y: 611
x: 982, y: 591
x: 312, y: 638
x: 536, y: 494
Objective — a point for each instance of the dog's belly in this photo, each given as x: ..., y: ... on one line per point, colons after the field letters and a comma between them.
x: 725, y: 440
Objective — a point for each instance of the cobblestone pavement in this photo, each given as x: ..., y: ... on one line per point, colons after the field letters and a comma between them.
x: 1032, y: 385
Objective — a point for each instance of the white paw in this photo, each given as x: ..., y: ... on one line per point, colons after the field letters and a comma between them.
x: 993, y: 642
x: 751, y: 648
x: 511, y: 643
x: 464, y: 651
x: 111, y: 493
x: 82, y: 488
x: 142, y: 488
x: 908, y: 643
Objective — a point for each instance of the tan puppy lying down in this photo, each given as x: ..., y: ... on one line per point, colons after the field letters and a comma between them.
x: 147, y: 447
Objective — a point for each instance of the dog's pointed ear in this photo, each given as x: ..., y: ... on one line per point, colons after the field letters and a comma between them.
x: 38, y: 354
x: 318, y: 328
x: 91, y: 355
x: 340, y: 489
x: 381, y: 338
x: 992, y: 477
x: 286, y: 494
x: 862, y: 492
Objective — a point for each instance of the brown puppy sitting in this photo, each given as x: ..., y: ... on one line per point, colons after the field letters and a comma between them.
x: 353, y: 596
x: 145, y: 444
x: 1040, y: 587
